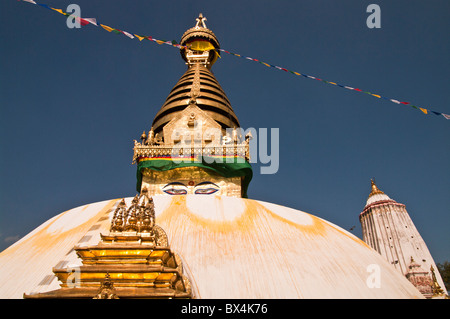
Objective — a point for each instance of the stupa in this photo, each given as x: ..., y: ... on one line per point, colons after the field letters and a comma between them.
x: 190, y: 231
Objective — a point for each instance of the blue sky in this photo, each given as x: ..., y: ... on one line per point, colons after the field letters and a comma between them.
x: 73, y: 100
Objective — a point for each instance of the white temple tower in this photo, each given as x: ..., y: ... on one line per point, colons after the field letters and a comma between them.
x: 388, y: 228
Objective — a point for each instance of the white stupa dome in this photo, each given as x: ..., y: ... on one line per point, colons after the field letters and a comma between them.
x: 230, y: 248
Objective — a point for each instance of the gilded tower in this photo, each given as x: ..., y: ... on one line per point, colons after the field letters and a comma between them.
x: 195, y: 144
x: 388, y: 228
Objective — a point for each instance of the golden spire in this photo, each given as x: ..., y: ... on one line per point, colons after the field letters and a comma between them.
x: 375, y: 189
x: 201, y: 20
x: 437, y: 290
x: 198, y: 84
x: 202, y: 44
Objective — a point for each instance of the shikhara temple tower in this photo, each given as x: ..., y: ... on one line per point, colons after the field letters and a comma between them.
x: 388, y: 228
x: 190, y: 231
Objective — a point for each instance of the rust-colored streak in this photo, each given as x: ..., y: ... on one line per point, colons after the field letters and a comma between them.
x: 245, y: 249
x: 256, y: 239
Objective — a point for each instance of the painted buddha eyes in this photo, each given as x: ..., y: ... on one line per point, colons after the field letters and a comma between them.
x: 175, y: 189
x: 206, y: 191
x: 206, y: 188
x: 203, y: 188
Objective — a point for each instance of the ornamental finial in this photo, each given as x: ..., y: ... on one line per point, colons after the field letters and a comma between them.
x: 201, y: 21
x: 375, y: 189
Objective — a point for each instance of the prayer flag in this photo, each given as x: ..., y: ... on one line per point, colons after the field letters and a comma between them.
x: 30, y: 1
x: 44, y: 5
x: 128, y: 34
x: 82, y: 21
x: 139, y: 37
x: 424, y: 110
x: 91, y: 21
x: 109, y: 29
x: 58, y: 10
x: 446, y: 116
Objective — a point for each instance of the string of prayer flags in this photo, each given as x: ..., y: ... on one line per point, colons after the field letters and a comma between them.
x: 424, y: 110
x: 81, y: 21
x: 204, y: 45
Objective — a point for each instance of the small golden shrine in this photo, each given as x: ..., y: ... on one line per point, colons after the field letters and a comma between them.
x: 133, y: 261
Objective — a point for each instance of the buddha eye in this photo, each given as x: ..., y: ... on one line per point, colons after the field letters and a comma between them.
x: 206, y: 188
x: 175, y: 189
x: 206, y: 191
